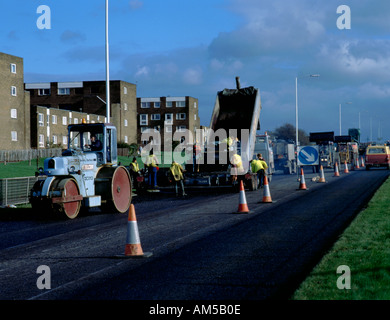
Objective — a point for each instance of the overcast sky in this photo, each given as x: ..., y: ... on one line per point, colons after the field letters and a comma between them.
x: 197, y: 48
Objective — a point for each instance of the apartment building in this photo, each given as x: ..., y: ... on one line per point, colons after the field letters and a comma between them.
x: 167, y: 115
x: 14, y: 105
x: 87, y: 98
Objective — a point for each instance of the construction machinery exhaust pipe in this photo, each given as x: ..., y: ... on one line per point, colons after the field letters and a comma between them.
x: 238, y: 84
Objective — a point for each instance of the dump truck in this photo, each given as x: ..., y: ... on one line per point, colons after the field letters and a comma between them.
x: 233, y: 126
x: 284, y: 157
x: 87, y: 175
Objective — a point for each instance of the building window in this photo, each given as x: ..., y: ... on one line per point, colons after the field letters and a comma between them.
x: 64, y: 120
x: 43, y: 92
x: 41, y: 119
x: 195, y: 117
x: 125, y: 90
x: 14, y: 113
x: 55, y: 141
x: 180, y: 116
x: 13, y: 91
x: 168, y: 129
x: 145, y: 105
x: 195, y: 105
x: 143, y: 119
x: 157, y: 104
x: 13, y: 68
x: 125, y: 106
x: 41, y: 140
x: 125, y: 122
x: 76, y: 121
x: 169, y: 104
x: 168, y: 118
x: 126, y: 139
x: 14, y: 136
x: 181, y: 128
x: 180, y: 104
x: 155, y: 116
x: 63, y: 91
x: 54, y: 119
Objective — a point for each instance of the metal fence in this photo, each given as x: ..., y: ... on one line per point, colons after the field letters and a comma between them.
x: 30, y: 154
x: 15, y: 191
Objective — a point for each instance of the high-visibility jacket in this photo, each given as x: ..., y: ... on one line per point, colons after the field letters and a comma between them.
x: 265, y: 166
x: 134, y: 166
x: 177, y: 171
x: 151, y: 161
x: 256, y: 165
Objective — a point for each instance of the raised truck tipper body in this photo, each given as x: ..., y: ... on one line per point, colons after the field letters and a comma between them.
x: 234, y: 121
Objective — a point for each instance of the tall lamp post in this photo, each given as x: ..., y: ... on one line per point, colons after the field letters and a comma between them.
x: 107, y: 70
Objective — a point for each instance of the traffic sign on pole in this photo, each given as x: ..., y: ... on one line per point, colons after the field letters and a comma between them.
x: 308, y: 156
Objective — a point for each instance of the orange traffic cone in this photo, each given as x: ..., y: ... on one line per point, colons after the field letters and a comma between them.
x: 242, y: 206
x: 302, y: 183
x: 322, y: 177
x: 362, y: 162
x: 336, y: 170
x: 346, y: 167
x: 266, y: 193
x: 133, y: 245
x: 357, y: 163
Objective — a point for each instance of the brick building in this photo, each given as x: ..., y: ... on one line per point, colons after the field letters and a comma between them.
x: 167, y: 115
x: 14, y: 105
x: 88, y: 98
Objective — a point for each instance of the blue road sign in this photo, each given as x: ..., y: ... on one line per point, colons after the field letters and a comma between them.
x: 308, y: 156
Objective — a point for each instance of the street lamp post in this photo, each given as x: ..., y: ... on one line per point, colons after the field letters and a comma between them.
x: 107, y: 70
x: 296, y: 115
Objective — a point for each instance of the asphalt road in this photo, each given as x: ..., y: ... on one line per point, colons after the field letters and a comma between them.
x: 201, y: 249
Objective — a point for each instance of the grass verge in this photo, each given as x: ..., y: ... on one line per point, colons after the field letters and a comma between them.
x: 365, y: 248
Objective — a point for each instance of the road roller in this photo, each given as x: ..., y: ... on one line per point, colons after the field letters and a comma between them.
x: 87, y: 174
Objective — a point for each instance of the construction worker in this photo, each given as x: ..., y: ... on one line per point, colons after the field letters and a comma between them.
x: 177, y: 175
x: 134, y: 172
x: 152, y: 165
x: 257, y: 167
x: 237, y: 168
x: 262, y: 171
x: 195, y: 155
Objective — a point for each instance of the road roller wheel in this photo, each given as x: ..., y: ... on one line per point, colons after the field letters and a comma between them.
x: 121, y: 189
x: 114, y: 186
x: 68, y: 204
